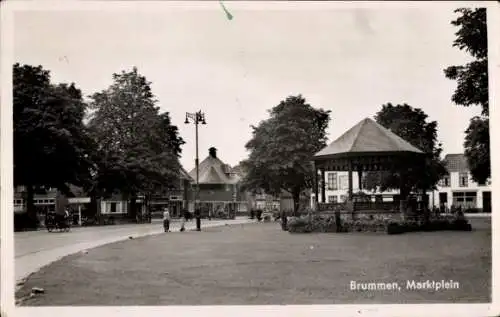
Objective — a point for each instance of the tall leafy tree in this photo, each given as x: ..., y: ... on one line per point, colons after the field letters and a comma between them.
x: 472, y: 87
x: 282, y: 148
x: 477, y: 148
x: 52, y: 146
x: 138, y: 148
x: 411, y: 125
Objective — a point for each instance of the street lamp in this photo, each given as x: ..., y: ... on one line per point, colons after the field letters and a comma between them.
x: 197, y: 117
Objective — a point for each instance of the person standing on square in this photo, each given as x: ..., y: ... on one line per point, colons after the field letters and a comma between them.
x: 183, y: 220
x: 166, y: 220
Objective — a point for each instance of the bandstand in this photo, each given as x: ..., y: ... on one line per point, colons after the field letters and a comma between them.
x: 367, y: 146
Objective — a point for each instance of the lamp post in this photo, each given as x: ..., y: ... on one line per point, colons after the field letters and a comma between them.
x: 197, y: 117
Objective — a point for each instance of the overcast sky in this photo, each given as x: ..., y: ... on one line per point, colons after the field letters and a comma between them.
x: 350, y: 61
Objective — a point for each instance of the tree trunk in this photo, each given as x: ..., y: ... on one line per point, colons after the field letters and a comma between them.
x: 147, y: 204
x: 404, y: 203
x: 296, y: 202
x: 93, y: 208
x: 425, y: 206
x: 133, y: 209
x: 30, y: 206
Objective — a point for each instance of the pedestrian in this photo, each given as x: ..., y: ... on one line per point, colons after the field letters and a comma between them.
x: 66, y: 213
x: 183, y: 220
x: 259, y: 215
x: 284, y: 225
x: 197, y: 214
x: 166, y: 220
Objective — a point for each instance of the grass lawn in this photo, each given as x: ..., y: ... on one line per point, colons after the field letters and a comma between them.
x: 260, y: 264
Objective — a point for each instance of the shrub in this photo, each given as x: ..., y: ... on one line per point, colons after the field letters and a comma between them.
x: 461, y: 226
x: 436, y: 225
x: 267, y: 217
x: 395, y: 228
x: 23, y: 221
x: 473, y: 210
x: 366, y: 223
x: 323, y: 224
x: 298, y: 225
x: 457, y: 222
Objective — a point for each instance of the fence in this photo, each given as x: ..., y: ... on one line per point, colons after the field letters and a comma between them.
x: 360, y: 206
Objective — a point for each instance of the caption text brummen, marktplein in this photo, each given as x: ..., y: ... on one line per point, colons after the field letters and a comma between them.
x: 412, y: 285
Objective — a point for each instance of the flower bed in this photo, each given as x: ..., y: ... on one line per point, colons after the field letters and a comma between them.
x: 267, y: 217
x: 318, y: 223
x: 433, y: 225
x: 373, y: 223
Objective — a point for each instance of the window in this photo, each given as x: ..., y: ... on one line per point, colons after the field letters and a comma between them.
x: 332, y: 199
x: 112, y: 207
x: 445, y: 181
x: 465, y: 199
x: 332, y: 181
x: 463, y: 179
x: 343, y: 182
x: 343, y: 198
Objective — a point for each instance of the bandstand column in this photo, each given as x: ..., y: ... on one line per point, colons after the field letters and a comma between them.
x: 350, y: 180
x: 360, y: 178
x: 402, y: 196
x: 323, y: 193
x: 316, y: 187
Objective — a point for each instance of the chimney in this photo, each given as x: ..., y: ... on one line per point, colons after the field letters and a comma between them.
x: 212, y: 152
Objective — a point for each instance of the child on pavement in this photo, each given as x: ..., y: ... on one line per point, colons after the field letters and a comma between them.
x: 166, y: 220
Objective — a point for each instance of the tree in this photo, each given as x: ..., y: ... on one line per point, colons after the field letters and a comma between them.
x: 138, y: 149
x: 282, y: 148
x: 472, y: 87
x: 51, y: 143
x: 411, y: 125
x: 477, y: 145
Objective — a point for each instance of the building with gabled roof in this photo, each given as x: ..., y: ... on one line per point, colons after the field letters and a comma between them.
x: 219, y: 191
x: 457, y: 188
x: 214, y: 171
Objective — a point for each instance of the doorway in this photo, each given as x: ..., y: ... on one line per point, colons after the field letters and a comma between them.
x: 487, y: 202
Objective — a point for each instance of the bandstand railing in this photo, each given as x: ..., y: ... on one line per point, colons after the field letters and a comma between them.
x: 360, y: 206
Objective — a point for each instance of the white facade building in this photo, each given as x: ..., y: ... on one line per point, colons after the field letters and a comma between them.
x: 458, y: 188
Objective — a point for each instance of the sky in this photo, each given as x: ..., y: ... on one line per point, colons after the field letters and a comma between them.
x: 350, y: 61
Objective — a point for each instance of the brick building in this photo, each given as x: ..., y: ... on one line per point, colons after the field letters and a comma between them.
x: 219, y: 193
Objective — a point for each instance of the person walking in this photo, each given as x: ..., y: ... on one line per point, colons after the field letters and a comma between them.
x: 183, y: 220
x: 166, y: 220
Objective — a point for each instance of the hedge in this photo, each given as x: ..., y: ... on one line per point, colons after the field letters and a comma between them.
x: 375, y: 223
x: 433, y: 225
x: 23, y: 221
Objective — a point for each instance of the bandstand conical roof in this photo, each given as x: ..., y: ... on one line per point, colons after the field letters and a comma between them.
x: 367, y: 138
